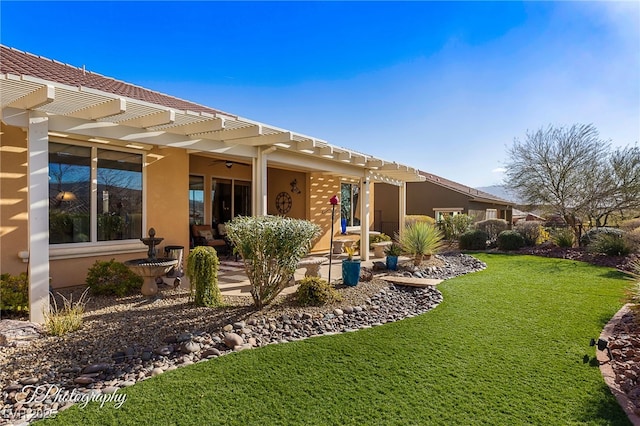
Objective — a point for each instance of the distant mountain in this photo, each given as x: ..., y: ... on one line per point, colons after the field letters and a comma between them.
x: 499, y: 191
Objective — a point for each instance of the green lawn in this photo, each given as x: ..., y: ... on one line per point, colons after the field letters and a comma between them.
x: 506, y: 347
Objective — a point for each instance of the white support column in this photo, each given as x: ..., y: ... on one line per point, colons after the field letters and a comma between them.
x: 38, y: 217
x: 260, y: 181
x: 365, y: 188
x: 402, y: 207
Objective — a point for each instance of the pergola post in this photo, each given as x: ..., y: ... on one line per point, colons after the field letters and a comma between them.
x: 365, y: 201
x: 402, y: 207
x: 38, y: 216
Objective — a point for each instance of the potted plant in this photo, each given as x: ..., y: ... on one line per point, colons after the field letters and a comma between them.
x: 350, y: 268
x: 392, y: 252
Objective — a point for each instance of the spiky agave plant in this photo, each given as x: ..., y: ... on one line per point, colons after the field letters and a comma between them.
x: 420, y: 239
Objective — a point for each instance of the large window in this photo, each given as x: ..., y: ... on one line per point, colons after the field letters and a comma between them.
x: 117, y: 181
x: 349, y: 209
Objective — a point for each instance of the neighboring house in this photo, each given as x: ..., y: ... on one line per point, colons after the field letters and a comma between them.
x: 519, y: 215
x: 437, y: 197
x: 88, y: 164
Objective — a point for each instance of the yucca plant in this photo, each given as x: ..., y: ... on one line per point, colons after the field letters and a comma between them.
x: 420, y: 239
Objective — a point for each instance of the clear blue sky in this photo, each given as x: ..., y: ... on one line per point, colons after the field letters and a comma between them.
x: 444, y: 87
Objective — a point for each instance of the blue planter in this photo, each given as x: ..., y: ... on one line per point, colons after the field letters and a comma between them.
x: 392, y: 263
x: 350, y: 272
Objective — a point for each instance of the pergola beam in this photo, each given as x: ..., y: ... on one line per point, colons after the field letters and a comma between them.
x: 37, y: 98
x: 274, y: 138
x: 151, y: 120
x: 101, y: 110
x: 206, y: 126
x: 231, y: 134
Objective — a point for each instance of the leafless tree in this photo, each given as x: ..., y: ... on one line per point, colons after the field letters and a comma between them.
x: 575, y: 174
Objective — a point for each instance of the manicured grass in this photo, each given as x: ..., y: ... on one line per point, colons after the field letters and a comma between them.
x: 508, y: 346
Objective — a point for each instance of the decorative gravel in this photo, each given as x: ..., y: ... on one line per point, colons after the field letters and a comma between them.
x: 124, y: 340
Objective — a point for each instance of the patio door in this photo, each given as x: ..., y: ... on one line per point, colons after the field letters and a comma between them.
x: 229, y: 198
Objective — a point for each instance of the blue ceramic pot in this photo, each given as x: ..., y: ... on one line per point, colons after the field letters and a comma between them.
x: 350, y: 272
x: 392, y: 263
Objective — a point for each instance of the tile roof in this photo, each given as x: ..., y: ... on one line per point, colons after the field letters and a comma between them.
x: 474, y: 193
x: 16, y: 62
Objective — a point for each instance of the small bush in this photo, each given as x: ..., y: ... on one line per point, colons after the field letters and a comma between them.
x: 492, y: 227
x: 14, y: 293
x: 510, y: 240
x: 112, y: 278
x: 413, y: 218
x: 68, y: 318
x: 592, y: 234
x: 453, y: 226
x: 314, y: 291
x: 609, y: 244
x: 473, y: 240
x: 202, y: 270
x: 563, y: 237
x: 532, y: 231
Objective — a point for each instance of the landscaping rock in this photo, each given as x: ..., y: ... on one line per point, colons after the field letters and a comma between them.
x: 231, y: 340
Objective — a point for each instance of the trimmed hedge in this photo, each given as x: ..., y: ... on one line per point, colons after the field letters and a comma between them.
x: 473, y: 240
x: 510, y: 240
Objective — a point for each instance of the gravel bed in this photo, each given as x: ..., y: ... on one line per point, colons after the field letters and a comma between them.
x: 124, y: 340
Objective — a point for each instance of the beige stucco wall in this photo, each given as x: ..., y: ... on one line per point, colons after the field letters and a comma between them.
x: 13, y: 199
x: 279, y: 180
x: 167, y: 192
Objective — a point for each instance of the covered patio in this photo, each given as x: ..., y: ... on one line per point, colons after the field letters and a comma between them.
x: 59, y: 117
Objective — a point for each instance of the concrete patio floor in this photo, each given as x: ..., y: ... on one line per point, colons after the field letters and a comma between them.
x: 233, y: 280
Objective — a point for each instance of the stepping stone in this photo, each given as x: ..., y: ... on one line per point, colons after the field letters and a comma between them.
x: 410, y: 281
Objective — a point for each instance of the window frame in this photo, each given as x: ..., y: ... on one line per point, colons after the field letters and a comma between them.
x: 79, y: 249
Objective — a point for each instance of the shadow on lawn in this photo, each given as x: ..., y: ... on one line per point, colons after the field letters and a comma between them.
x: 602, y: 408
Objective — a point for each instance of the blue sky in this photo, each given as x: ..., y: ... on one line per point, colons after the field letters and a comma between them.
x: 441, y: 86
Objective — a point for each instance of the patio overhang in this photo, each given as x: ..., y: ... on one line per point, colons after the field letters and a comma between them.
x: 110, y: 118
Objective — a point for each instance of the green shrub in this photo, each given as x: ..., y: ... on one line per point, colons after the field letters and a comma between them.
x: 420, y: 239
x: 453, y: 226
x: 413, y: 218
x: 610, y: 244
x: 271, y: 247
x: 202, y: 271
x: 592, y: 234
x: 14, y: 293
x: 68, y: 318
x: 492, y: 227
x: 473, y: 240
x: 563, y: 237
x: 112, y: 278
x: 510, y: 240
x: 532, y: 231
x: 314, y: 291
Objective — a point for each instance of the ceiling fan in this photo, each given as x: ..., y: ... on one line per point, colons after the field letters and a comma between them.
x: 228, y: 163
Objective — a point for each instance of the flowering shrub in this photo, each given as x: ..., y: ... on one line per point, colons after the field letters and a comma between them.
x: 532, y: 231
x: 14, y: 293
x: 271, y: 247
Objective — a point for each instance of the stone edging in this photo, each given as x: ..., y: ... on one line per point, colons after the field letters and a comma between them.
x: 608, y: 373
